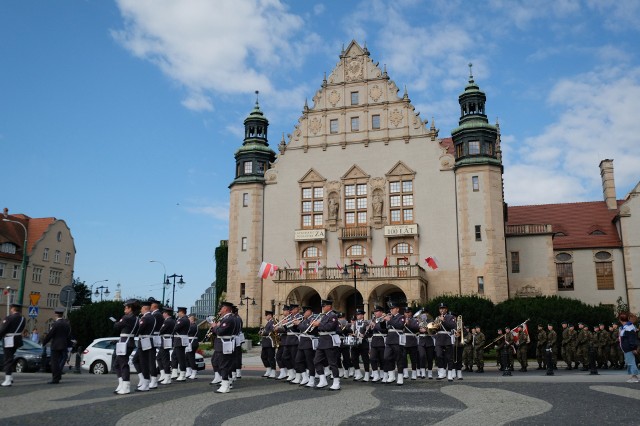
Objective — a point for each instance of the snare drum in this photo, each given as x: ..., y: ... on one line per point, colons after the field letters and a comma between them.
x: 350, y: 340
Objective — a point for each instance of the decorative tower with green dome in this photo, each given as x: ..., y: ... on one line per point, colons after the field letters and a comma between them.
x: 480, y: 200
x: 246, y: 214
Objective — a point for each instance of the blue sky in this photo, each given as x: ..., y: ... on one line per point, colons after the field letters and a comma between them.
x: 122, y: 118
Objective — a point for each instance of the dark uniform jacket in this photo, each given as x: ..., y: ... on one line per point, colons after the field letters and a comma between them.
x: 328, y: 324
x: 395, y: 325
x: 193, y: 336
x: 159, y: 320
x: 223, y: 330
x: 145, y: 327
x: 443, y: 336
x: 378, y: 328
x: 13, y: 324
x: 292, y: 331
x: 128, y: 325
x: 181, y: 329
x: 411, y: 329
x: 59, y: 335
x: 305, y: 341
x: 266, y: 341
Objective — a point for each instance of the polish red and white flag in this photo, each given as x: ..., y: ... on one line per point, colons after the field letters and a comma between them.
x: 385, y: 263
x: 267, y: 270
x: 432, y: 262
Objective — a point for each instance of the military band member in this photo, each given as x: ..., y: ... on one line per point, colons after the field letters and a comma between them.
x: 127, y: 327
x: 345, y: 368
x: 60, y: 337
x: 478, y: 349
x: 304, y: 353
x: 617, y: 356
x: 426, y: 351
x: 166, y: 335
x: 444, y: 347
x: 224, y: 345
x: 467, y: 351
x: 180, y: 341
x: 458, y: 347
x: 552, y: 343
x: 11, y: 330
x: 236, y: 371
x: 282, y: 332
x: 541, y: 346
x: 156, y: 340
x: 190, y: 351
x: 328, y: 342
x: 361, y: 348
x: 291, y: 341
x: 268, y: 351
x: 393, y: 351
x: 411, y: 330
x: 523, y: 348
x: 146, y: 324
x: 377, y: 333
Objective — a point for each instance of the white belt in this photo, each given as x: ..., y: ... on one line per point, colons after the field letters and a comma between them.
x: 146, y: 335
x: 309, y: 336
x: 326, y: 333
x: 13, y: 334
x: 155, y: 333
x: 396, y: 331
x: 226, y: 337
x: 127, y: 335
x: 422, y: 335
x: 166, y: 335
x: 379, y: 335
x: 181, y: 335
x: 291, y: 333
x: 443, y: 332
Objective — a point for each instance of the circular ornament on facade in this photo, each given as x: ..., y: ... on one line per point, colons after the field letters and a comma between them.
x: 395, y: 117
x: 315, y: 125
x: 376, y: 93
x: 354, y: 69
x: 334, y: 98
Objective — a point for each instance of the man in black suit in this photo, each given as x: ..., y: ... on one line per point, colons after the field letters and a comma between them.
x: 11, y: 332
x: 60, y: 336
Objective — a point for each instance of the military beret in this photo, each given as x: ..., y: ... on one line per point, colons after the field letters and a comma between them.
x: 327, y: 302
x: 268, y: 313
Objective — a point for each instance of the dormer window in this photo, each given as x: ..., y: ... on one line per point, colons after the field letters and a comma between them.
x: 597, y: 232
x: 248, y: 167
x: 474, y: 148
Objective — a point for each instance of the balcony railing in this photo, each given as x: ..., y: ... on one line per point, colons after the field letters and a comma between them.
x: 355, y: 232
x: 335, y: 274
x: 530, y: 229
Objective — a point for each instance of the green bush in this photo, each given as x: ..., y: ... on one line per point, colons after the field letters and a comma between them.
x: 92, y: 321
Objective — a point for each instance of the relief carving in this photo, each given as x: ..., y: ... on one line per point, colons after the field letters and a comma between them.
x: 315, y: 125
x: 334, y: 98
x: 375, y: 93
x: 395, y: 117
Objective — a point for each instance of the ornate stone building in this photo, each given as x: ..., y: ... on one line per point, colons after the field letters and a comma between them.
x: 364, y: 180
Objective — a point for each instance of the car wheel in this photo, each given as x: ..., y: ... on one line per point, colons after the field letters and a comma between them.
x: 99, y: 367
x: 21, y: 365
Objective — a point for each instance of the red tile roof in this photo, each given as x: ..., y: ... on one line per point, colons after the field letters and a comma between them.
x: 447, y: 143
x: 12, y: 232
x: 577, y: 221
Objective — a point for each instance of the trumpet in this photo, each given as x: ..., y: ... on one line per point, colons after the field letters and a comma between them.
x: 313, y: 318
x: 211, y: 320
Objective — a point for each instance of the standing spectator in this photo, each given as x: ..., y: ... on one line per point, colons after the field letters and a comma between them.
x: 629, y: 345
x: 35, y: 337
x: 11, y: 333
x: 60, y: 337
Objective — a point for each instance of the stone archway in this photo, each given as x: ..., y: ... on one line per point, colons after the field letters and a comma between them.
x: 305, y: 296
x: 385, y: 293
x: 344, y: 300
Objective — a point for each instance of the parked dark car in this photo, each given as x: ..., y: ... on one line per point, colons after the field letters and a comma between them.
x: 28, y: 357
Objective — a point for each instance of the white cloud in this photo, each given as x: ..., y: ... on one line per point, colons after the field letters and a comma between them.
x: 597, y: 119
x: 218, y: 211
x: 224, y: 46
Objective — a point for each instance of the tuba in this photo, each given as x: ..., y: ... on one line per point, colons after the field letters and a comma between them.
x: 434, y: 325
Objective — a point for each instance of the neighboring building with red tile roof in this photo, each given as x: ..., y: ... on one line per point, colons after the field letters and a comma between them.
x: 51, y: 256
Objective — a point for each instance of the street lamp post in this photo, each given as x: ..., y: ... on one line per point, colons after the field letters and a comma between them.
x: 181, y: 283
x: 164, y: 277
x: 91, y: 290
x: 24, y: 257
x: 102, y: 290
x: 363, y: 274
x: 246, y: 299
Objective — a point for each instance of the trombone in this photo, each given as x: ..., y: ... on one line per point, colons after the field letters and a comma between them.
x: 313, y: 318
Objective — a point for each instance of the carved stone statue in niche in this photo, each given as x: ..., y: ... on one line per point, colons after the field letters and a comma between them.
x: 377, y: 205
x: 333, y: 207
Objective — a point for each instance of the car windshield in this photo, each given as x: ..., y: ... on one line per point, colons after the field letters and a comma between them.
x: 28, y: 344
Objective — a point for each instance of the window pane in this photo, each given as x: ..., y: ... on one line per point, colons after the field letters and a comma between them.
x: 350, y: 204
x: 355, y: 124
x: 604, y: 275
x: 317, y: 220
x: 306, y: 206
x: 375, y: 121
x: 408, y: 215
x: 310, y: 252
x: 333, y: 126
x: 306, y: 221
x: 407, y: 200
x: 317, y: 206
x: 318, y: 192
x: 407, y: 186
x: 362, y: 203
x: 248, y: 167
x: 563, y: 257
x: 475, y: 183
x: 362, y: 189
x: 394, y: 187
x: 350, y: 190
x: 350, y: 218
x: 306, y: 192
x: 394, y: 201
x: 395, y: 216
x: 603, y: 255
x: 474, y: 148
x: 362, y: 217
x: 354, y: 98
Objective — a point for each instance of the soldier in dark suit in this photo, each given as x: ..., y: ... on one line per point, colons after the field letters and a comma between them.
x: 411, y: 328
x: 328, y: 344
x: 192, y: 348
x: 290, y: 341
x: 11, y: 331
x: 156, y: 341
x: 282, y: 333
x: 127, y: 327
x: 224, y: 345
x: 166, y: 334
x: 180, y: 341
x: 377, y: 332
x: 60, y: 337
x: 444, y: 344
x: 394, y: 345
x: 268, y: 351
x: 146, y: 323
x: 361, y: 348
x: 305, y: 353
x: 236, y: 371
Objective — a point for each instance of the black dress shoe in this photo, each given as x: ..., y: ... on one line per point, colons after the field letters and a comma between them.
x: 53, y: 382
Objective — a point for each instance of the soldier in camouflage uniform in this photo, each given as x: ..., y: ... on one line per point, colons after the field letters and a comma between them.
x: 564, y: 343
x: 523, y: 348
x: 603, y: 347
x: 478, y: 349
x: 541, y: 345
x: 467, y: 352
x: 582, y: 345
x: 552, y: 342
x: 571, y: 347
x: 618, y: 354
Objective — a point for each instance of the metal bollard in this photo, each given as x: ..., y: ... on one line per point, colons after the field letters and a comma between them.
x: 78, y: 361
x: 548, y: 355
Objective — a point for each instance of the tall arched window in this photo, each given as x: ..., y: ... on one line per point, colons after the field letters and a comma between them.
x: 564, y: 271
x: 310, y: 256
x: 604, y: 270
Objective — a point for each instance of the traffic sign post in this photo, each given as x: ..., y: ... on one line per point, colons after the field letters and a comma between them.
x: 33, y: 312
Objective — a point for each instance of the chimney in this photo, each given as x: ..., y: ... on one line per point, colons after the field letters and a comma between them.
x: 608, y: 184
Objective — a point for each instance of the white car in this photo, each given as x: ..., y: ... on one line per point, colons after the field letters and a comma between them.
x: 97, y: 357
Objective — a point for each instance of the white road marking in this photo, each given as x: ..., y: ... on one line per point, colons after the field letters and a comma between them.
x: 618, y: 390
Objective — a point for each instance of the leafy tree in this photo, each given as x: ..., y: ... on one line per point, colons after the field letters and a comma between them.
x: 83, y: 293
x: 92, y: 321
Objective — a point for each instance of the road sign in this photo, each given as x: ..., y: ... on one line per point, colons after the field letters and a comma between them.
x: 67, y: 296
x: 33, y: 311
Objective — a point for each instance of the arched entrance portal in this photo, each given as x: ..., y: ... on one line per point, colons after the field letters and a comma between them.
x: 346, y: 299
x: 386, y: 293
x: 305, y: 296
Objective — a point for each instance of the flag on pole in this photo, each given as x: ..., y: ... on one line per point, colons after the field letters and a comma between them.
x: 267, y: 270
x: 370, y: 261
x: 301, y: 267
x: 317, y: 266
x: 339, y: 266
x: 386, y: 262
x: 287, y: 263
x: 432, y: 262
